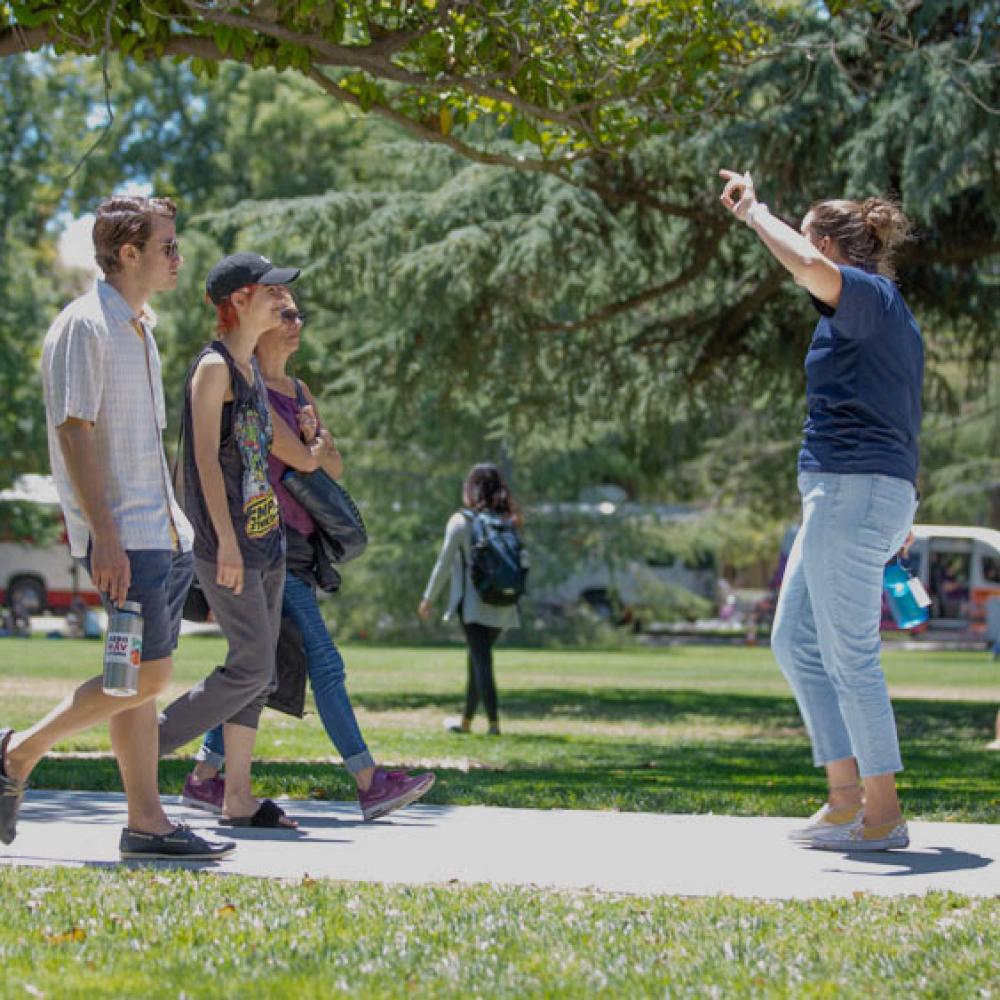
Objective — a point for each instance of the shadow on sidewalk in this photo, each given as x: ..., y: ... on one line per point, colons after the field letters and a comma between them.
x: 309, y: 822
x: 927, y: 862
x: 35, y: 860
x: 66, y: 806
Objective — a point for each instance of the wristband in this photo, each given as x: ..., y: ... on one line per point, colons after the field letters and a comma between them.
x: 755, y: 208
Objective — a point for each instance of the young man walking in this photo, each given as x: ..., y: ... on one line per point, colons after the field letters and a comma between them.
x: 105, y: 414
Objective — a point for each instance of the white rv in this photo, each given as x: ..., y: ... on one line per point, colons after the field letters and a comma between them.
x: 36, y: 577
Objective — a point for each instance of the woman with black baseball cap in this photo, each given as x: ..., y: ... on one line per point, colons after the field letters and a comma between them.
x: 303, y: 442
x: 239, y: 545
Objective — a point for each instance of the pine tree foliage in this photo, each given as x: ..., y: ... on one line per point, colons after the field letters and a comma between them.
x: 40, y: 108
x: 612, y: 313
x: 542, y: 303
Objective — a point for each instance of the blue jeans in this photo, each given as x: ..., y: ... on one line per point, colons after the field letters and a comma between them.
x: 826, y: 626
x: 326, y: 675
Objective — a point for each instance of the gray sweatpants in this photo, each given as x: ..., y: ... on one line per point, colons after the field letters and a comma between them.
x: 236, y: 691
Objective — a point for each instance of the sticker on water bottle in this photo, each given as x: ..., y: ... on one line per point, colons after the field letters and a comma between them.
x: 920, y: 595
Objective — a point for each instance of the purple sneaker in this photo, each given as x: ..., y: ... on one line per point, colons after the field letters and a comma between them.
x: 206, y: 795
x: 392, y: 790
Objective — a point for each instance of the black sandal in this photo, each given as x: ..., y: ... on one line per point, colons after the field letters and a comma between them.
x: 11, y: 793
x: 267, y: 816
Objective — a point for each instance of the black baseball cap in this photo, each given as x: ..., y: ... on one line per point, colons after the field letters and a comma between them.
x: 241, y: 269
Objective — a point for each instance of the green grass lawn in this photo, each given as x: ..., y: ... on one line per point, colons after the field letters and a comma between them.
x: 685, y: 729
x: 676, y: 729
x: 143, y: 933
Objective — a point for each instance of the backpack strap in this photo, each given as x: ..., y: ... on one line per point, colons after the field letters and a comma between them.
x: 461, y: 551
x: 476, y: 522
x: 470, y: 519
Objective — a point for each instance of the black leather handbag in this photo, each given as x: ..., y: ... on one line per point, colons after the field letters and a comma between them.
x: 196, y: 607
x: 337, y: 518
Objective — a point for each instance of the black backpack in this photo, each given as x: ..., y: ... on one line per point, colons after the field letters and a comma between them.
x: 499, y: 566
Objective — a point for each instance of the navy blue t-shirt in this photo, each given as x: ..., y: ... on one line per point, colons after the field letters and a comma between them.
x: 864, y: 377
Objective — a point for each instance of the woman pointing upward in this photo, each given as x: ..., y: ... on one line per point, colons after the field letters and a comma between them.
x: 857, y: 473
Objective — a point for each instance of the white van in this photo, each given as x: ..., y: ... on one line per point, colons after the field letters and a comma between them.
x: 34, y: 577
x: 960, y: 568
x: 605, y: 580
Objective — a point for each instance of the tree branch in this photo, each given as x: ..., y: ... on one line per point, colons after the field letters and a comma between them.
x: 915, y: 255
x: 429, y: 134
x: 376, y: 60
x: 733, y: 321
x: 16, y: 40
x: 707, y: 245
x: 106, y: 77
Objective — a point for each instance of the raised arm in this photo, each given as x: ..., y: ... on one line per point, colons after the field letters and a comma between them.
x: 806, y: 263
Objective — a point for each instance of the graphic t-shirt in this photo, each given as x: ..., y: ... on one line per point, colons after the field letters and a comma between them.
x: 864, y: 378
x: 244, y: 445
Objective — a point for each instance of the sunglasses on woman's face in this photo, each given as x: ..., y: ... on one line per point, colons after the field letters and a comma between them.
x: 293, y: 316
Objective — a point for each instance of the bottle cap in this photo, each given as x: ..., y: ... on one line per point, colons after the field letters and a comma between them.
x: 130, y: 607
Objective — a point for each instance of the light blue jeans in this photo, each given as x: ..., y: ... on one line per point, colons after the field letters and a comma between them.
x: 326, y: 675
x: 826, y: 626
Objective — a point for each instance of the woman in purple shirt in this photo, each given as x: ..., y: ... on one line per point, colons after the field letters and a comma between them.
x: 857, y: 475
x: 302, y: 442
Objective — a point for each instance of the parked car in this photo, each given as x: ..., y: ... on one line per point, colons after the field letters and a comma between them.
x: 40, y: 576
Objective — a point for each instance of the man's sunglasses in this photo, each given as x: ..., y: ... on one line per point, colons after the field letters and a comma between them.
x: 171, y: 249
x: 293, y: 316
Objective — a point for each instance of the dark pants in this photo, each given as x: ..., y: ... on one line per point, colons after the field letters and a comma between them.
x: 481, y: 685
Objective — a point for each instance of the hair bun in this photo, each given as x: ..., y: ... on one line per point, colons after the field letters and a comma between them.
x: 885, y: 221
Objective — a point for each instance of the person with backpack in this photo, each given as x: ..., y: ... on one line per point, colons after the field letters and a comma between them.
x: 484, y: 560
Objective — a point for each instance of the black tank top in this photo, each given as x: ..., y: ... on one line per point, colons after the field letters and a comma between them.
x: 244, y: 444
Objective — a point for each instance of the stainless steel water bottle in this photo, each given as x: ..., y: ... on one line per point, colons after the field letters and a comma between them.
x: 123, y: 650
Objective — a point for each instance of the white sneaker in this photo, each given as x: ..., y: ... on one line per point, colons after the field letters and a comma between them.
x: 825, y: 818
x: 855, y: 836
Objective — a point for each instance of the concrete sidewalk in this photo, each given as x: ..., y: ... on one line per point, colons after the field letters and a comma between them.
x: 562, y: 849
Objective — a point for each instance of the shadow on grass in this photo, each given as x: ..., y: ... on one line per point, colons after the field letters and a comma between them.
x: 914, y: 716
x: 598, y: 704
x: 948, y: 775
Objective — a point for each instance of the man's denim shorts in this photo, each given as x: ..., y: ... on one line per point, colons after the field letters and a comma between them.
x: 160, y: 581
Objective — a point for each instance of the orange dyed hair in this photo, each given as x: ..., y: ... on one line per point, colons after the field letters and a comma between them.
x: 226, y: 317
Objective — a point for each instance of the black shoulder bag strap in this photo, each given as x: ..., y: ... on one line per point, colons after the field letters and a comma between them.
x: 300, y: 396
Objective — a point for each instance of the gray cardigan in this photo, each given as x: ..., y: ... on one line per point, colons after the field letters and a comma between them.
x: 454, y: 555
